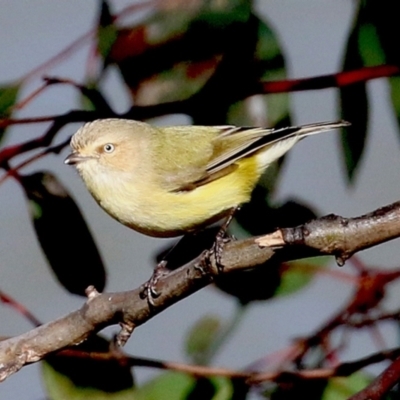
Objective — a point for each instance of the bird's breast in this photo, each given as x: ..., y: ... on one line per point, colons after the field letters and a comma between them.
x: 150, y: 209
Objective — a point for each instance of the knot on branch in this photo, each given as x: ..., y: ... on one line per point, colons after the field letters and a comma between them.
x: 327, y: 235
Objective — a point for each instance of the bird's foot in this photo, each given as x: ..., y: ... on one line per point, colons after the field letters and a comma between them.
x: 149, y: 289
x: 217, y: 249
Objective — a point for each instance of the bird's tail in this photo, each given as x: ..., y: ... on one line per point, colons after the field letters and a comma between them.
x: 311, y: 129
x: 279, y: 141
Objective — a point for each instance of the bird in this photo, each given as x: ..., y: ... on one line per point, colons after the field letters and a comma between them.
x: 168, y: 181
x: 176, y: 180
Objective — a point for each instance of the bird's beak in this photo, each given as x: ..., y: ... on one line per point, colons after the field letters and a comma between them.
x: 76, y: 158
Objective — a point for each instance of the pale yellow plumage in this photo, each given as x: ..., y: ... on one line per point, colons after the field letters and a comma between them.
x: 172, y: 180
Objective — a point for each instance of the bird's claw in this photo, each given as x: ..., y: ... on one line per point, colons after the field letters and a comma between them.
x: 149, y: 289
x: 217, y: 249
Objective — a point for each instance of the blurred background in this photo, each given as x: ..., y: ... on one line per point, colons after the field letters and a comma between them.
x: 312, y: 37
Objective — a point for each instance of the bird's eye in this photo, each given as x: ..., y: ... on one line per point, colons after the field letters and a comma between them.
x: 108, y: 148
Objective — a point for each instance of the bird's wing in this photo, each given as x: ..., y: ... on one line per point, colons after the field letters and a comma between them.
x: 218, y: 154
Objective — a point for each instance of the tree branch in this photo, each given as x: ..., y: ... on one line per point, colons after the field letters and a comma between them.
x: 332, y: 235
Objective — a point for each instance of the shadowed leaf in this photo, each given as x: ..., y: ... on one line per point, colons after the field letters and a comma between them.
x: 354, y: 107
x: 310, y: 389
x: 201, y: 337
x: 63, y: 234
x: 383, y: 17
x: 263, y: 282
x: 74, y: 377
x: 212, y: 389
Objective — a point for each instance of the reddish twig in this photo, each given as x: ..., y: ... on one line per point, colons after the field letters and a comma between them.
x: 20, y: 308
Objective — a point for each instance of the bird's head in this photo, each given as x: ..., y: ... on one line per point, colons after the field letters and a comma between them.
x: 113, y: 145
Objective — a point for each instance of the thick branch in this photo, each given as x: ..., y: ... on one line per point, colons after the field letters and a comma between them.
x: 382, y: 384
x: 332, y: 235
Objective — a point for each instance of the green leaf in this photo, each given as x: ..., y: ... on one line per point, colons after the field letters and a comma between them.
x: 76, y: 378
x: 299, y: 274
x: 395, y: 97
x: 343, y: 388
x: 201, y: 338
x: 170, y: 385
x: 107, y: 32
x: 369, y: 45
x: 8, y: 97
x: 63, y: 234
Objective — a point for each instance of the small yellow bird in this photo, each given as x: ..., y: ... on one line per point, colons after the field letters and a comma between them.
x: 168, y: 181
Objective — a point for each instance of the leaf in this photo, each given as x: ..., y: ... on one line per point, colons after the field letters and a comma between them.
x: 63, y: 234
x: 384, y: 20
x: 395, y: 97
x: 270, y: 65
x: 201, y: 338
x: 173, y: 54
x: 8, y: 97
x: 260, y: 217
x: 106, y: 30
x: 217, y: 388
x: 75, y: 378
x: 299, y: 274
x: 263, y: 282
x: 60, y: 387
x: 250, y: 285
x: 354, y: 108
x: 343, y: 388
x: 170, y: 385
x: 294, y: 389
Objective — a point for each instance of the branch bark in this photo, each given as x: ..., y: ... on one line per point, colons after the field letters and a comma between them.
x: 330, y: 235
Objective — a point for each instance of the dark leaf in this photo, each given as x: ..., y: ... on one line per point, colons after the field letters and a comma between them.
x: 263, y: 282
x: 240, y: 389
x: 269, y: 65
x: 93, y: 100
x: 310, y: 389
x: 211, y: 389
x: 259, y: 217
x: 251, y: 285
x: 382, y: 17
x: 202, y: 390
x: 63, y: 234
x: 70, y: 376
x: 354, y: 107
x: 187, y: 248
